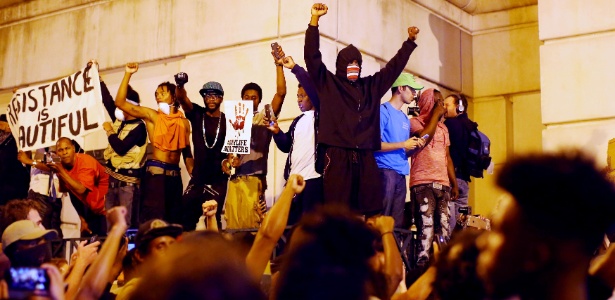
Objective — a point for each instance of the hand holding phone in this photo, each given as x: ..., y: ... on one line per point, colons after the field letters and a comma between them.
x: 268, y: 111
x: 93, y: 239
x: 25, y: 281
x: 426, y: 136
x: 277, y: 51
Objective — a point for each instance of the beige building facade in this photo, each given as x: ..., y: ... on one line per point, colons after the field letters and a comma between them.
x: 536, y: 73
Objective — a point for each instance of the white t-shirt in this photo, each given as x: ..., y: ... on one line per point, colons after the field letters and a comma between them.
x: 303, y: 158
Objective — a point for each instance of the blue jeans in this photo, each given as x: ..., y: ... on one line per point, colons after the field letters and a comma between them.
x: 120, y: 193
x: 394, y: 190
x: 462, y: 201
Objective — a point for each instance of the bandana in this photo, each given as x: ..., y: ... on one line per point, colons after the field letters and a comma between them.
x: 352, y: 72
x: 426, y: 103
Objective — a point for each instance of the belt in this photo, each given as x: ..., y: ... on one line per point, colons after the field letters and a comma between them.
x: 439, y: 186
x: 126, y: 172
x: 435, y: 185
x: 155, y: 170
x: 123, y: 177
x: 118, y: 183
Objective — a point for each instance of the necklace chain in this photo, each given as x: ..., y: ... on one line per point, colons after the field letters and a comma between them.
x: 217, y: 132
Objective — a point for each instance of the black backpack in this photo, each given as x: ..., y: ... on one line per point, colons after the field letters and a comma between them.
x: 478, y: 156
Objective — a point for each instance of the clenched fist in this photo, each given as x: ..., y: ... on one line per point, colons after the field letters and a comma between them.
x: 413, y: 32
x: 181, y: 78
x: 209, y: 208
x: 132, y: 67
x: 319, y: 9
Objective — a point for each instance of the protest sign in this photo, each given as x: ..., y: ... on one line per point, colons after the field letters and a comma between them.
x: 69, y: 107
x: 239, y: 130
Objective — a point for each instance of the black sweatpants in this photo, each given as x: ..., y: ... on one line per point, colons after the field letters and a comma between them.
x: 351, y: 177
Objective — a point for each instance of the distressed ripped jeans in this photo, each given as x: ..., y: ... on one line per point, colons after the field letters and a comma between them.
x: 431, y: 216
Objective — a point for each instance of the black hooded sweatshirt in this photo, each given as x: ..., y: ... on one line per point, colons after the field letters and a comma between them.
x: 350, y: 112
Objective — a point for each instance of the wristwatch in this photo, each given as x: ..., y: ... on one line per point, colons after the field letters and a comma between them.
x: 34, y: 162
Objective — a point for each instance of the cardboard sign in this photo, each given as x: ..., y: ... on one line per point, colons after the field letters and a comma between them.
x: 239, y: 130
x: 70, y: 107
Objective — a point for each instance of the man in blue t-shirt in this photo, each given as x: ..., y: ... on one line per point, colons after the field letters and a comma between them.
x: 395, y: 140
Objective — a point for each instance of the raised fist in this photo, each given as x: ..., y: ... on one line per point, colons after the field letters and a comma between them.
x: 288, y: 62
x: 181, y: 78
x: 319, y: 9
x: 116, y: 216
x: 296, y: 183
x: 132, y: 67
x: 209, y: 208
x: 413, y: 32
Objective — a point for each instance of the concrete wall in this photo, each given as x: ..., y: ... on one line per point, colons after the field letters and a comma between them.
x: 576, y: 60
x: 493, y: 58
x: 506, y: 90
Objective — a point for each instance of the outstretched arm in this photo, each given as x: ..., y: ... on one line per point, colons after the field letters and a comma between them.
x: 96, y: 278
x: 107, y: 100
x: 280, y: 93
x: 180, y: 92
x: 393, y: 266
x: 85, y: 256
x: 120, y: 99
x: 311, y: 51
x: 384, y: 78
x: 272, y: 228
x: 304, y: 79
x: 26, y: 159
x: 209, y: 211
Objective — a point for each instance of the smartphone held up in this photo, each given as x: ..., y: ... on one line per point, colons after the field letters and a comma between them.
x: 26, y: 281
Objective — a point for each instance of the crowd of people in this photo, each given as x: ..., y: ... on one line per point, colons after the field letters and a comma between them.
x: 344, y: 199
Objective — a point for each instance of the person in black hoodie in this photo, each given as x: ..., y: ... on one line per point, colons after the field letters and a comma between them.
x: 349, y: 128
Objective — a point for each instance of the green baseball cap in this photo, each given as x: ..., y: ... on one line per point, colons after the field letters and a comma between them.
x: 407, y: 79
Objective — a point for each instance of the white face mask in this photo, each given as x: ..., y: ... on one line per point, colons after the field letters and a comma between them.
x: 119, y: 114
x: 164, y: 107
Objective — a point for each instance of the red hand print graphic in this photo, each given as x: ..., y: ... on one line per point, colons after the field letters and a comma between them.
x: 240, y: 113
